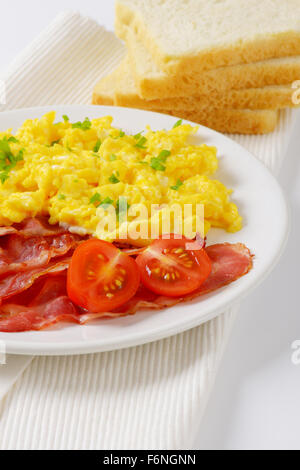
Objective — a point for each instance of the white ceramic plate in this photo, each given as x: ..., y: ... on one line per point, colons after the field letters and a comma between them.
x: 261, y: 203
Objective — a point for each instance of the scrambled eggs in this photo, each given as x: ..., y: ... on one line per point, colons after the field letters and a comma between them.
x: 68, y: 171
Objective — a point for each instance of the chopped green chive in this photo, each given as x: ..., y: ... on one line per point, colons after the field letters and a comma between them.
x: 61, y: 197
x: 141, y: 143
x: 143, y: 163
x: 177, y: 185
x: 121, y: 134
x: 4, y: 148
x: 177, y: 124
x: 66, y: 118
x: 157, y: 165
x: 13, y: 139
x: 164, y: 154
x: 113, y: 157
x: 3, y: 176
x: 7, y: 159
x: 95, y: 199
x: 106, y: 202
x: 158, y: 162
x: 97, y: 146
x: 138, y: 136
x: 55, y: 142
x: 19, y: 157
x: 113, y: 179
x: 85, y: 125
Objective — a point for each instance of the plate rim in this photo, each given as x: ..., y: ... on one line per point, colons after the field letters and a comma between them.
x: 93, y: 346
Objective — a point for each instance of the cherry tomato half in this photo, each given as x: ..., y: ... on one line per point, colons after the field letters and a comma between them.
x: 168, y: 268
x: 101, y: 278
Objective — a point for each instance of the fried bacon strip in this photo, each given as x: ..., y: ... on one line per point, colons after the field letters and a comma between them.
x: 36, y: 227
x: 18, y: 254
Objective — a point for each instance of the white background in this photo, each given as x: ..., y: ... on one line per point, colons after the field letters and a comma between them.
x: 256, y: 401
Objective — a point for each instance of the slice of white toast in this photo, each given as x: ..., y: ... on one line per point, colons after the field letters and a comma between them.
x: 152, y: 83
x: 199, y: 35
x: 104, y: 91
x: 223, y: 120
x: 270, y: 98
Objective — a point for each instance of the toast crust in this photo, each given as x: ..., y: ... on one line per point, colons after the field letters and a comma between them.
x: 282, y: 44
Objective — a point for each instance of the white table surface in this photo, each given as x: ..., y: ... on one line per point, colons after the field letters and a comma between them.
x: 255, y: 403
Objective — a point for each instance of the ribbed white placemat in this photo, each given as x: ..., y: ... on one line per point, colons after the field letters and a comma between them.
x: 149, y: 397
